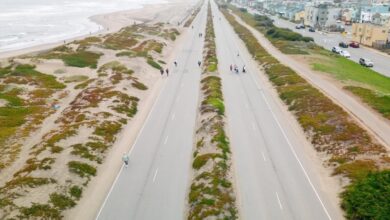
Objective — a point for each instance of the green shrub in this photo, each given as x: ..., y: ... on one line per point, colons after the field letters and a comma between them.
x: 217, y: 104
x: 369, y: 197
x: 201, y: 160
x: 81, y: 59
x: 139, y: 85
x: 44, y: 80
x: 76, y: 192
x: 40, y: 211
x: 81, y: 169
x: 61, y: 201
x: 152, y: 63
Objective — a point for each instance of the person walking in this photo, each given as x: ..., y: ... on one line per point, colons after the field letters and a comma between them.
x: 175, y: 63
x: 167, y: 71
x: 162, y: 71
x: 243, y: 69
x: 125, y: 159
x: 199, y: 63
x: 231, y: 67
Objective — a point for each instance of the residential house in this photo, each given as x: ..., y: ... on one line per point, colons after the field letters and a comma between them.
x: 369, y: 34
x: 368, y: 11
x: 322, y: 16
x: 299, y: 16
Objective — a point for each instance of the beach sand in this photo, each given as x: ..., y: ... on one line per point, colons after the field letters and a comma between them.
x: 173, y: 11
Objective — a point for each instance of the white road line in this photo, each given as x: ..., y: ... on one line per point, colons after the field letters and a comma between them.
x: 296, y: 157
x: 263, y: 156
x: 155, y: 174
x: 173, y: 117
x: 280, y: 203
x: 166, y: 139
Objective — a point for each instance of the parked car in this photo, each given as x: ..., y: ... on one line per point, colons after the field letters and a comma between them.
x: 354, y: 44
x: 366, y: 62
x: 345, y: 54
x: 300, y: 26
x: 336, y: 50
x: 311, y: 29
x: 343, y: 45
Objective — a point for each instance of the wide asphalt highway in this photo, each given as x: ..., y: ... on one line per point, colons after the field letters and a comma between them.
x: 272, y: 174
x: 154, y: 186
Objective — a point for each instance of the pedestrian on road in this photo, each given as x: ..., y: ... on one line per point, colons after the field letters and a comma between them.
x: 167, y: 71
x: 162, y: 71
x: 243, y: 69
x: 125, y: 159
x: 175, y: 63
x: 199, y: 63
x: 231, y: 67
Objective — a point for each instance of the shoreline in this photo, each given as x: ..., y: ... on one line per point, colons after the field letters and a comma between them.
x: 109, y: 23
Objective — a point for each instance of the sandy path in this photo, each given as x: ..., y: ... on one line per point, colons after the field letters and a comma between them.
x: 376, y: 125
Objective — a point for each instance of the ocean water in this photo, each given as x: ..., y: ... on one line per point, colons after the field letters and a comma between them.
x: 26, y: 23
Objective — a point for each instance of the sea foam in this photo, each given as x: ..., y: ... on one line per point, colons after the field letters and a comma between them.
x: 26, y: 23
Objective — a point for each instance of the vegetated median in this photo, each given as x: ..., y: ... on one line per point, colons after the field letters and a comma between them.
x: 370, y: 86
x: 194, y: 14
x: 211, y: 193
x: 349, y: 150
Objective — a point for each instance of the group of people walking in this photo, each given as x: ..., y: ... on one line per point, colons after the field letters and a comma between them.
x: 235, y: 68
x: 166, y: 71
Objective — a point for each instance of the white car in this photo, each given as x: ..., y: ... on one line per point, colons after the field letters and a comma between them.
x: 345, y: 54
x: 336, y: 50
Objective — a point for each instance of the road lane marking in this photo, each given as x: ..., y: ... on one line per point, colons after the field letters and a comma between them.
x: 296, y: 157
x: 173, y: 116
x: 280, y: 203
x: 166, y: 139
x: 263, y: 156
x: 155, y: 174
x: 152, y: 109
x: 147, y: 119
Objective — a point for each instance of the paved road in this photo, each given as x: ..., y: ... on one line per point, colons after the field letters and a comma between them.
x: 273, y: 180
x: 328, y: 40
x: 154, y: 186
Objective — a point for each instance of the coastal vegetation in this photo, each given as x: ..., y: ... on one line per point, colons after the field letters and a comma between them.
x: 211, y: 192
x: 193, y: 15
x: 20, y: 109
x: 350, y: 151
x: 86, y: 96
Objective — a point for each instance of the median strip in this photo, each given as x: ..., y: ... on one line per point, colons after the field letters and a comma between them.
x: 211, y: 193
